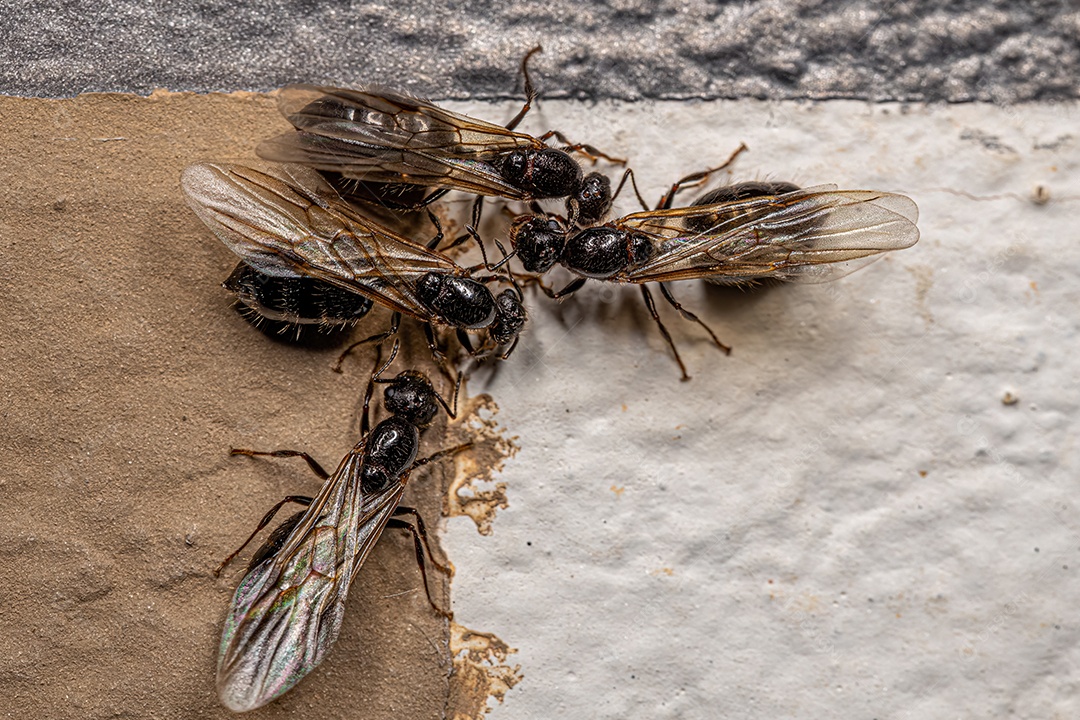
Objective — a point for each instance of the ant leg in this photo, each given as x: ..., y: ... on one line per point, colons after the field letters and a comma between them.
x: 441, y: 454
x: 419, y: 549
x: 395, y: 323
x: 433, y: 243
x: 573, y: 287
x: 315, y: 466
x: 466, y: 342
x: 437, y: 353
x: 299, y: 499
x: 538, y: 281
x: 663, y: 330
x: 405, y: 510
x: 470, y: 232
x: 587, y: 150
x: 428, y: 200
x: 433, y: 344
x: 726, y: 349
x: 695, y: 179
x: 510, y: 350
x: 530, y: 92
x: 477, y: 211
x: 452, y: 413
x: 492, y: 268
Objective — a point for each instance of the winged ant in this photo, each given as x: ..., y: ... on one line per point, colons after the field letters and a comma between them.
x: 287, y: 611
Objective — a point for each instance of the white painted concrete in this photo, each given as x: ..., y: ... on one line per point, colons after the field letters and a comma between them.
x: 843, y: 519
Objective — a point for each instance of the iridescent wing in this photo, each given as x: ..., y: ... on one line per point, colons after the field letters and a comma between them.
x: 382, y: 136
x: 288, y: 609
x: 809, y: 235
x: 288, y: 221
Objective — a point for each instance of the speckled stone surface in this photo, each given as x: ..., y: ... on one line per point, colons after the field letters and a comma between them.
x: 1003, y: 51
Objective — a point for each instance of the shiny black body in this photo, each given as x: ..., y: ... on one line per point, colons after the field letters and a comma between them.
x: 304, y: 244
x: 390, y: 452
x: 458, y: 301
x: 597, y: 252
x: 605, y: 251
x: 288, y: 302
x: 737, y: 234
x: 547, y: 173
x: 601, y: 252
x: 287, y: 611
x: 537, y: 173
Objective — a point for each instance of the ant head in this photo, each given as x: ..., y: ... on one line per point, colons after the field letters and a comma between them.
x: 510, y: 317
x: 538, y: 242
x: 592, y: 200
x: 410, y: 396
x: 546, y: 173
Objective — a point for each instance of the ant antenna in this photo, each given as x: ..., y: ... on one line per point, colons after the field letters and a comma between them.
x: 530, y: 91
x: 695, y: 179
x: 365, y: 414
x: 629, y: 175
x: 393, y: 354
x: 457, y: 389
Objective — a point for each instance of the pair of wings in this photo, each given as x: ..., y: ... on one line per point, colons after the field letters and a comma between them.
x: 289, y: 222
x: 810, y: 235
x: 288, y: 610
x: 380, y: 135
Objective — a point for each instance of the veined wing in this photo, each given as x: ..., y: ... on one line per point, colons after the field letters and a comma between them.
x: 287, y: 611
x: 387, y: 118
x: 809, y: 235
x: 384, y: 136
x: 289, y: 221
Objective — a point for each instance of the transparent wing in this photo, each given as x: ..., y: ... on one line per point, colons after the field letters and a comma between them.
x: 809, y: 235
x: 383, y: 136
x: 287, y: 611
x: 289, y: 221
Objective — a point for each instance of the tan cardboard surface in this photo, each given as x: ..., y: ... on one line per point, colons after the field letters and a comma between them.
x: 126, y: 378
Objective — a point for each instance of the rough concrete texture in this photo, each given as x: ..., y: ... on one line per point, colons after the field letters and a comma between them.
x: 1003, y: 51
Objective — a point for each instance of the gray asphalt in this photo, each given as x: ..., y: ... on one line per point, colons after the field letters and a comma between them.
x: 920, y: 50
